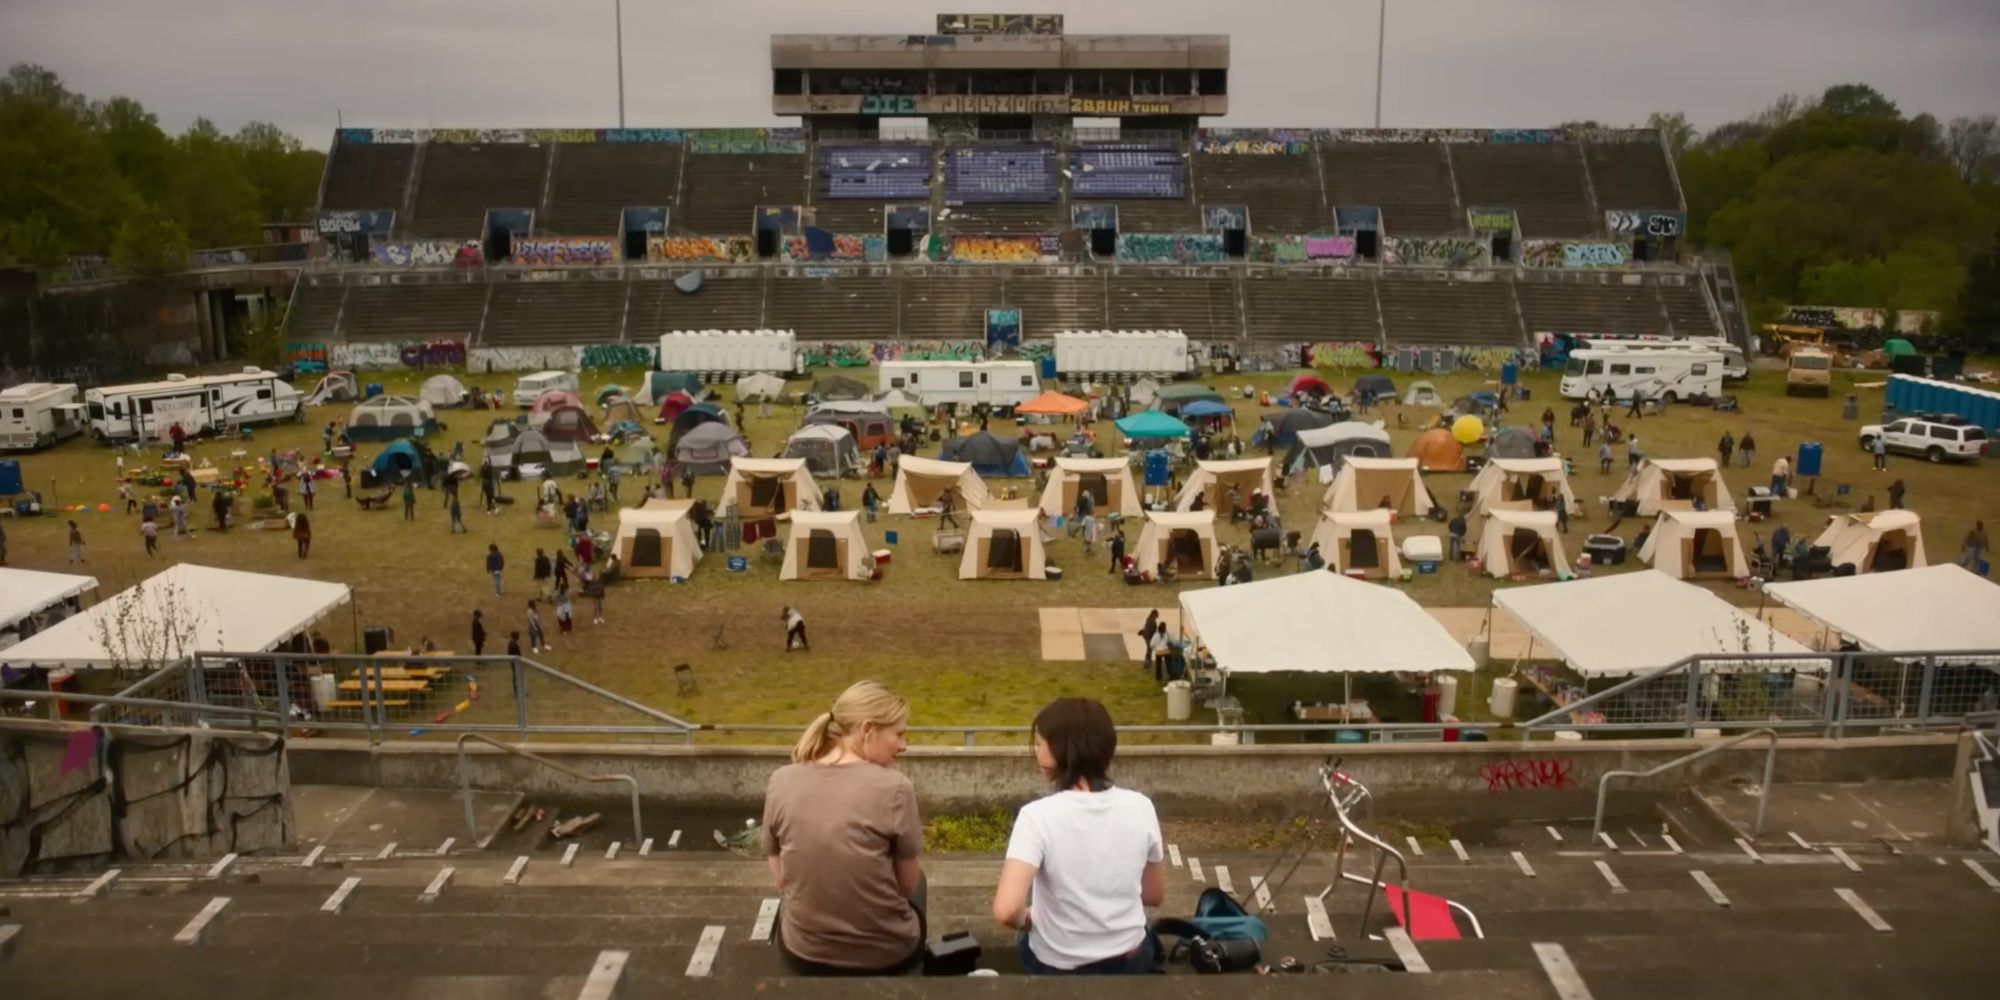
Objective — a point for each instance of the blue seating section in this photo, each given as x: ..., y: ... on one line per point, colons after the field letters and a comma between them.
x: 995, y: 174
x: 1127, y: 171
x: 879, y: 172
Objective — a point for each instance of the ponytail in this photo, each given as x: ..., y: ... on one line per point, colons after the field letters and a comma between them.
x: 818, y: 741
x: 863, y: 702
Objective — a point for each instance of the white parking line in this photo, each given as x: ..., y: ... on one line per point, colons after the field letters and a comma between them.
x: 1853, y: 899
x: 1708, y: 886
x: 1984, y: 875
x: 1845, y: 860
x: 569, y: 855
x: 1415, y: 848
x: 674, y: 841
x: 1526, y: 868
x: 1604, y: 868
x: 335, y: 902
x: 221, y: 867
x: 8, y: 932
x: 1752, y: 851
x: 445, y: 848
x: 1406, y: 950
x: 1223, y: 881
x: 1262, y: 892
x: 604, y: 976
x: 513, y: 876
x: 767, y: 917
x: 438, y: 882
x: 1459, y: 849
x: 1562, y: 975
x: 1608, y: 842
x: 1796, y: 839
x: 98, y: 886
x: 388, y: 851
x: 1174, y: 854
x: 611, y: 853
x: 1316, y: 920
x: 1671, y: 842
x: 1555, y: 834
x: 703, y: 961
x: 1194, y: 869
x: 646, y: 847
x: 312, y: 859
x: 196, y: 928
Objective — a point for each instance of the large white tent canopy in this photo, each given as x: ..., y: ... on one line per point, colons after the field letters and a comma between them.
x: 221, y: 610
x: 1938, y: 608
x: 1319, y: 623
x: 1629, y: 623
x: 24, y: 592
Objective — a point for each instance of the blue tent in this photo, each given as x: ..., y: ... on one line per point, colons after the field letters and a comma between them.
x: 403, y: 461
x: 1207, y: 408
x: 1151, y: 424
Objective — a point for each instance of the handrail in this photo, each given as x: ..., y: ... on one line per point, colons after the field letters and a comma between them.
x: 1763, y: 793
x: 13, y: 694
x: 1383, y: 851
x: 465, y: 780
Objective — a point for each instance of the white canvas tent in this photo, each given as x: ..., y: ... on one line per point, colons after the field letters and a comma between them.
x: 1521, y: 484
x: 1629, y: 623
x: 827, y: 546
x: 1318, y: 623
x: 214, y: 610
x: 442, y: 391
x: 1003, y: 545
x: 920, y: 480
x: 1213, y: 480
x: 1875, y: 543
x: 386, y: 418
x: 1362, y: 483
x: 767, y: 487
x: 1688, y: 544
x: 1521, y: 541
x: 28, y: 592
x: 1109, y: 481
x: 1941, y: 608
x: 1674, y: 484
x: 1186, y: 541
x: 657, y: 540
x: 1358, y: 541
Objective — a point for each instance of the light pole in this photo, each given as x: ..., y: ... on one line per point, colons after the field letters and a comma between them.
x: 618, y: 15
x: 1381, y: 31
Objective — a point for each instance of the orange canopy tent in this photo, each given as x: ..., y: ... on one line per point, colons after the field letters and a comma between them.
x: 1054, y: 403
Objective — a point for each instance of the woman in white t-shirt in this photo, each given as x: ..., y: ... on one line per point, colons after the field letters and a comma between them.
x: 1090, y: 852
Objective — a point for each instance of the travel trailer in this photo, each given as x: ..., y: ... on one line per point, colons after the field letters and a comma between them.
x: 39, y: 414
x: 999, y: 383
x: 1735, y: 367
x: 1668, y: 374
x: 149, y: 410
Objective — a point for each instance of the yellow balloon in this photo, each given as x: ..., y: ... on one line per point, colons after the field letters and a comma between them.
x: 1466, y: 430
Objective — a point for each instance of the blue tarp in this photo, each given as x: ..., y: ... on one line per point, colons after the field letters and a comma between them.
x: 1151, y: 424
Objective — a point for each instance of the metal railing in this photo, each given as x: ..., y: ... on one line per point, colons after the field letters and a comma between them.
x: 465, y: 781
x: 1763, y: 793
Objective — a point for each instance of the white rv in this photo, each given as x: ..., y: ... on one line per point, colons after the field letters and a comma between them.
x: 1735, y: 367
x: 999, y: 383
x: 741, y: 352
x: 531, y: 387
x: 39, y: 414
x: 148, y: 410
x: 1663, y: 373
x: 1090, y: 353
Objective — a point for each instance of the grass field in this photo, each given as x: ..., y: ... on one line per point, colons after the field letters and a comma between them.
x: 965, y: 653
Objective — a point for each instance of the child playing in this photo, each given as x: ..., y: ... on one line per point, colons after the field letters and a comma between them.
x: 562, y: 613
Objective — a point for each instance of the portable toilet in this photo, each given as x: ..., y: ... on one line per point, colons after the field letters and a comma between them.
x: 1510, y: 373
x: 10, y: 478
x: 1808, y: 463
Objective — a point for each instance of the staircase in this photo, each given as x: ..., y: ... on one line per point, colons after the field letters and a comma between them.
x: 1429, y: 313
x: 1687, y: 309
x: 1278, y: 306
x: 1409, y: 182
x: 461, y: 182
x: 1543, y: 184
x: 315, y: 312
x: 536, y: 313
x: 1281, y: 192
x: 426, y: 311
x: 721, y: 191
x: 1631, y: 176
x: 593, y: 183
x: 949, y: 303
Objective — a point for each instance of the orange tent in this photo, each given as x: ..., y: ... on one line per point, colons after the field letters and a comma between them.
x: 1435, y: 451
x: 1054, y: 403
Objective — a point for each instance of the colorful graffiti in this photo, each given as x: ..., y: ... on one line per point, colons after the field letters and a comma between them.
x: 860, y: 354
x: 888, y: 104
x: 1549, y: 774
x: 427, y: 253
x: 688, y: 249
x: 1541, y: 253
x: 442, y: 353
x: 1329, y: 247
x: 1093, y: 216
x: 1436, y: 253
x: 1215, y: 218
x: 1278, y: 249
x: 1117, y: 106
x: 1351, y: 354
x: 995, y: 249
x: 600, y: 356
x: 1490, y: 220
x: 303, y: 353
x: 563, y: 251
x: 1169, y: 248
x: 344, y: 223
x: 999, y: 24
x: 1594, y: 254
x: 1648, y: 223
x: 783, y: 218
x: 798, y: 249
x: 1253, y: 142
x: 745, y: 141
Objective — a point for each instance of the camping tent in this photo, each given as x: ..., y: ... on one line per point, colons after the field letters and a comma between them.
x: 1521, y: 484
x: 1687, y: 544
x: 868, y: 421
x: 28, y: 592
x: 1150, y: 424
x: 220, y: 610
x: 1108, y: 480
x: 1002, y: 545
x: 1422, y: 394
x: 698, y: 415
x: 920, y: 480
x: 637, y: 453
x: 1054, y: 404
x: 1318, y: 623
x: 827, y: 546
x: 827, y: 448
x: 511, y: 446
x: 1185, y: 541
x: 1143, y: 392
x: 1378, y: 387
x: 1521, y: 541
x: 550, y: 401
x: 1358, y: 542
x: 1213, y: 480
x: 658, y: 385
x: 835, y: 387
x: 1309, y: 384
x: 1204, y: 409
x: 565, y: 423
x: 657, y: 540
x: 1437, y: 451
x: 336, y: 387
x: 1629, y: 623
x: 1284, y: 426
x: 442, y: 391
x: 1330, y: 446
x: 621, y: 409
x: 1511, y: 442
x: 897, y: 399
x: 403, y: 461
x: 609, y: 391
x: 707, y: 449
x: 674, y: 404
x: 762, y: 385
x: 991, y: 455
x: 1875, y: 543
x: 1674, y: 484
x: 1173, y: 396
x: 1942, y: 608
x: 1362, y: 483
x: 386, y: 418
x: 767, y: 487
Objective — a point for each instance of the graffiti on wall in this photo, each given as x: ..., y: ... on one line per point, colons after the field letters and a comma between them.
x: 1541, y: 253
x: 1216, y: 218
x: 1547, y: 774
x: 1169, y: 248
x: 1594, y: 254
x: 684, y: 249
x: 798, y: 249
x: 1350, y: 354
x: 783, y: 218
x: 1093, y: 216
x: 994, y: 249
x: 373, y: 222
x: 888, y: 104
x: 601, y: 356
x: 744, y: 141
x: 435, y: 354
x: 561, y: 251
x: 861, y: 354
x: 1436, y: 253
x: 1500, y: 136
x: 1645, y: 223
x: 306, y: 353
x: 1253, y: 141
x: 427, y: 253
x: 999, y: 24
x: 1859, y: 318
x: 1278, y: 249
x: 1490, y: 220
x: 1329, y: 247
x: 1356, y: 218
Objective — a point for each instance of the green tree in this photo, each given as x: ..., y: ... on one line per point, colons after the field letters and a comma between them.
x: 1714, y: 176
x: 142, y: 153
x: 213, y: 198
x: 1675, y: 131
x: 285, y: 175
x: 52, y: 166
x: 1979, y: 302
x: 1856, y: 100
x: 150, y: 243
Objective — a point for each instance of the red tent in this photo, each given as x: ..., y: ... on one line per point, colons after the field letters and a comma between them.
x: 675, y: 403
x: 1310, y: 385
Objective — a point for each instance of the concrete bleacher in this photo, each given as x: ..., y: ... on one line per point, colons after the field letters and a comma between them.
x: 1427, y: 312
x: 1617, y: 307
x: 1282, y: 193
x: 1201, y: 305
x: 1120, y: 171
x: 1051, y: 303
x: 720, y: 192
x: 530, y: 313
x: 315, y: 312
x: 1278, y: 306
x: 363, y: 176
x: 1009, y: 174
x: 390, y: 312
x: 839, y: 307
x: 726, y: 301
x: 591, y: 184
x: 1544, y: 184
x: 1686, y: 306
x: 1410, y: 183
x: 1631, y: 176
x: 458, y: 183
x: 949, y: 304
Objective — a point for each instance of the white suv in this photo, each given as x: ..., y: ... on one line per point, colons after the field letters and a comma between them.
x: 1939, y: 439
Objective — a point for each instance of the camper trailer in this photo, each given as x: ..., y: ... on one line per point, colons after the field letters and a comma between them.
x: 739, y: 352
x: 1102, y: 353
x: 1735, y: 367
x: 39, y: 414
x: 148, y: 410
x: 1668, y: 374
x: 999, y: 383
x: 531, y: 387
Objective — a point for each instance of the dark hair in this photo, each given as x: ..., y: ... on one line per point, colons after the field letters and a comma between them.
x: 1081, y: 740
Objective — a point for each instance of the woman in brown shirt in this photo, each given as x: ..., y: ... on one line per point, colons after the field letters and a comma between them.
x: 842, y: 836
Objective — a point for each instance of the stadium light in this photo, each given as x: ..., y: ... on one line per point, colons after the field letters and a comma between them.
x: 618, y: 15
x: 1381, y: 31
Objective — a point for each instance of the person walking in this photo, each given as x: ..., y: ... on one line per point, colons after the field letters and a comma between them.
x: 75, y: 545
x: 593, y: 588
x: 944, y: 503
x: 221, y: 507
x: 537, y: 639
x: 457, y: 516
x: 514, y: 650
x: 478, y: 632
x: 487, y: 489
x: 1632, y: 453
x: 687, y: 480
x: 563, y: 613
x: 1086, y: 505
x: 1117, y: 550
x: 495, y: 562
x: 409, y: 501
x: 1746, y: 449
x: 1589, y: 429
x: 795, y: 630
x: 1896, y: 491
x: 611, y: 479
x: 307, y: 488
x: 177, y: 509
x: 1725, y: 448
x: 870, y: 500
x: 1604, y: 458
x: 1456, y: 529
x: 1973, y: 550
x: 1781, y: 471
x: 1879, y: 447
x: 1562, y: 515
x: 149, y: 532
x: 544, y: 573
x: 302, y: 532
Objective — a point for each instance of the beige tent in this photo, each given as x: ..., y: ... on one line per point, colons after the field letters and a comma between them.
x: 1213, y: 480
x: 1521, y: 484
x: 1875, y: 543
x: 1358, y: 542
x: 1522, y: 541
x: 766, y: 487
x: 827, y: 546
x: 657, y: 540
x: 1674, y: 484
x: 920, y: 480
x: 1108, y: 480
x: 1362, y: 483
x: 1184, y: 540
x: 1003, y: 545
x: 1692, y: 544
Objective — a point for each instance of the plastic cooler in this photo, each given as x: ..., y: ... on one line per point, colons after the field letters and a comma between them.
x: 1605, y: 550
x: 1426, y: 551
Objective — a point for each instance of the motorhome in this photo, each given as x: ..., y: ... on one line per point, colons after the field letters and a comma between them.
x: 998, y: 383
x: 1735, y: 366
x: 531, y: 387
x: 1662, y: 373
x: 148, y: 410
x: 39, y: 414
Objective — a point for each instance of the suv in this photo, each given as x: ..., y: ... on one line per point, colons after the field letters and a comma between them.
x: 1937, y: 438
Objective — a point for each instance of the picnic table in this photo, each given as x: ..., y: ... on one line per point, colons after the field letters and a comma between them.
x: 386, y: 685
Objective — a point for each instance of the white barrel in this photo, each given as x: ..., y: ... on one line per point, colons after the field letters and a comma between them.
x: 325, y: 690
x: 1180, y: 701
x: 1447, y: 685
x: 1501, y: 703
x: 1481, y: 650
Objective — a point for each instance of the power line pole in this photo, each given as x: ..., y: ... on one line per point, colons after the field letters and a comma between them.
x: 1381, y: 32
x: 618, y: 13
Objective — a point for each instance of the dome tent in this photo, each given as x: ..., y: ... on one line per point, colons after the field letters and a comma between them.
x: 1284, y: 426
x: 1330, y: 446
x: 401, y: 462
x: 1422, y: 393
x: 442, y: 391
x: 989, y: 454
x: 1437, y: 451
x: 1511, y: 442
x: 336, y: 387
x: 708, y: 448
x: 511, y: 446
x: 386, y: 418
x: 828, y: 449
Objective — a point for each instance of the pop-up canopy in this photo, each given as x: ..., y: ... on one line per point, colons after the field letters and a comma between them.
x: 1941, y: 608
x: 1629, y: 623
x: 1318, y: 623
x: 214, y: 610
x: 24, y: 592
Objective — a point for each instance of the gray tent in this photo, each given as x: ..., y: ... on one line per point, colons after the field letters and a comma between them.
x: 1512, y: 442
x: 511, y: 446
x: 1332, y: 444
x: 828, y: 449
x: 990, y: 454
x: 707, y: 449
x: 1286, y: 424
x: 1378, y: 387
x: 836, y: 387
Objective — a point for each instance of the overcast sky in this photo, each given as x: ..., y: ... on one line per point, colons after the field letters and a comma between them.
x: 1524, y: 63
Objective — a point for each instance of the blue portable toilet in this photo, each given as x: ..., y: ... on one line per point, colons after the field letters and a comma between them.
x: 1510, y: 373
x: 1810, y: 453
x: 372, y: 390
x: 1049, y: 368
x: 1158, y: 470
x: 10, y: 477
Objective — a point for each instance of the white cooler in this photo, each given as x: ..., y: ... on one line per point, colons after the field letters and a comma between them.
x: 1423, y: 548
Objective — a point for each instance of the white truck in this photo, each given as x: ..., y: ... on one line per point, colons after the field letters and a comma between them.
x: 1099, y: 353
x: 39, y: 414
x: 997, y: 383
x: 531, y: 387
x: 741, y: 352
x: 147, y: 411
x: 1668, y: 375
